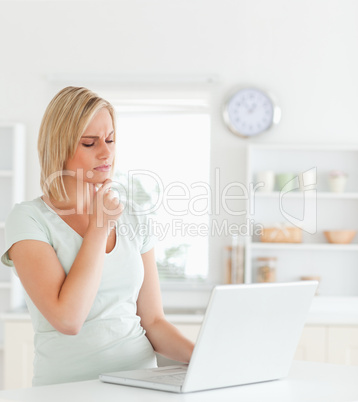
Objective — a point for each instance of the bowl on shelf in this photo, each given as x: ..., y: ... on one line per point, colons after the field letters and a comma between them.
x: 340, y: 236
x: 281, y: 234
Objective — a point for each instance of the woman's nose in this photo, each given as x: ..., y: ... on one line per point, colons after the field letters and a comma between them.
x: 104, y: 151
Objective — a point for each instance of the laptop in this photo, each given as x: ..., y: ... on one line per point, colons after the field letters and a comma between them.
x: 249, y: 334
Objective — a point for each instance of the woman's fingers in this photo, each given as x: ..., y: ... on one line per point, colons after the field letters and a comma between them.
x: 107, y: 205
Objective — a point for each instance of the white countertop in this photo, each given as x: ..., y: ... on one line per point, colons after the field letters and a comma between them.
x: 324, y: 311
x: 306, y: 382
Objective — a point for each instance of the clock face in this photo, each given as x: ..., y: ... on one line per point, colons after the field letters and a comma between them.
x: 249, y: 112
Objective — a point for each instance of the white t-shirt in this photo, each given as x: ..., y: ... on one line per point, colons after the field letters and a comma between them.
x: 111, y: 338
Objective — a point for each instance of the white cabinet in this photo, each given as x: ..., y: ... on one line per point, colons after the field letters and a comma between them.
x: 18, y: 354
x: 343, y: 345
x: 313, y: 344
x: 313, y: 209
x: 319, y: 343
x: 19, y: 350
x: 336, y: 344
x: 12, y: 184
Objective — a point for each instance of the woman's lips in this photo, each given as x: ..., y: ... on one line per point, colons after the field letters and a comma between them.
x: 103, y: 168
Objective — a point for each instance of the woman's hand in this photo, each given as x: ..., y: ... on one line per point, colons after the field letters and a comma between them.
x: 105, y: 207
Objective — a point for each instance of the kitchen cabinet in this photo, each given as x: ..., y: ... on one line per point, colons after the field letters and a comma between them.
x: 19, y: 348
x: 335, y: 344
x: 12, y: 185
x: 18, y: 354
x: 343, y: 345
x: 319, y: 343
x: 313, y: 344
x: 313, y: 208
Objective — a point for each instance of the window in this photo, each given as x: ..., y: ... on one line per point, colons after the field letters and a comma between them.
x: 163, y: 155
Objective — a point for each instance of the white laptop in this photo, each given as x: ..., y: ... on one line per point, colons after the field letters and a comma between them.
x: 249, y: 334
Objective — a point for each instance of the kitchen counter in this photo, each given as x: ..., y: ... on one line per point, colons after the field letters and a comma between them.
x: 330, y: 335
x: 306, y: 382
x: 333, y: 311
x: 324, y: 311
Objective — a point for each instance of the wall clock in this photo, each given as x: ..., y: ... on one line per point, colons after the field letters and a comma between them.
x: 250, y: 111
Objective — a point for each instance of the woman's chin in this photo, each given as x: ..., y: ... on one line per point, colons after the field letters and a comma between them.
x: 99, y: 179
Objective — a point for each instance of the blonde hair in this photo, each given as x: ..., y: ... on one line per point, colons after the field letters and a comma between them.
x: 65, y: 120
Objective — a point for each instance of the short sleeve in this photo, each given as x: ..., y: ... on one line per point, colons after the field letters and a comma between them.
x: 148, y: 238
x: 142, y: 226
x: 21, y: 224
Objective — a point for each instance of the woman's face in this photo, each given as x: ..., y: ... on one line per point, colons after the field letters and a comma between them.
x: 94, y: 155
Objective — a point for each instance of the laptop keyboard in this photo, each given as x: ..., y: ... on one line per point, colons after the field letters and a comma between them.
x: 174, y: 379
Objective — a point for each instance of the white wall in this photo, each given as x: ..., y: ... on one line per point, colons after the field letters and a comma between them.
x: 304, y: 51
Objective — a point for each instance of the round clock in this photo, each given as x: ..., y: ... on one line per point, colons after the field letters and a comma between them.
x: 250, y: 111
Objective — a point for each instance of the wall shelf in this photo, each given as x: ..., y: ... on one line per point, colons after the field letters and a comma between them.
x: 335, y: 264
x: 300, y: 194
x: 12, y: 185
x: 304, y: 246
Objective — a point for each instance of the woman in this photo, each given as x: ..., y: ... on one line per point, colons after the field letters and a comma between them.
x: 93, y: 294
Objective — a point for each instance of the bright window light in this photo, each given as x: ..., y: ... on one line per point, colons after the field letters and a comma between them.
x: 163, y: 156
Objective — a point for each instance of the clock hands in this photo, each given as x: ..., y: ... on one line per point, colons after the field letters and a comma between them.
x: 249, y: 112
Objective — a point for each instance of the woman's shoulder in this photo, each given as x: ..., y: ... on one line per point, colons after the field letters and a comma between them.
x: 27, y: 216
x: 25, y: 222
x: 31, y: 209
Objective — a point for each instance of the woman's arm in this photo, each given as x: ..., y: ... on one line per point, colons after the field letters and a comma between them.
x: 64, y: 301
x: 164, y: 337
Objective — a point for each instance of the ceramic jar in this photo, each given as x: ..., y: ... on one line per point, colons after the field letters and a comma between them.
x: 265, y: 181
x: 337, y: 181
